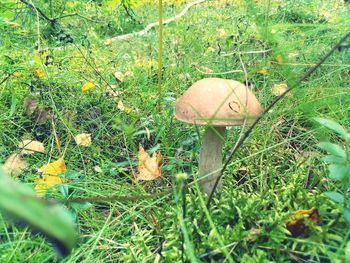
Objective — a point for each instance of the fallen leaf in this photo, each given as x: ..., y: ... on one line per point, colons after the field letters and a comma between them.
x: 83, y: 139
x: 14, y: 164
x: 119, y: 76
x: 44, y: 184
x: 87, y: 86
x: 38, y: 72
x: 54, y: 168
x: 11, y: 24
x: 43, y: 115
x: 262, y: 71
x: 49, y: 176
x: 108, y: 42
x: 279, y: 58
x: 297, y: 225
x: 112, y: 90
x: 123, y: 108
x: 30, y: 146
x: 148, y: 167
x: 30, y: 105
x: 279, y: 89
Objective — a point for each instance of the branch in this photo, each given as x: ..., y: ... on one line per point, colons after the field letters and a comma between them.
x: 152, y: 25
x: 269, y: 107
x: 42, y: 14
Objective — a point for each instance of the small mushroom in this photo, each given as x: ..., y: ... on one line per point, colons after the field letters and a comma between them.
x: 215, y: 103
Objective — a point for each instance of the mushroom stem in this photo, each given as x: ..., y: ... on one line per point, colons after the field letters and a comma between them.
x: 210, y: 159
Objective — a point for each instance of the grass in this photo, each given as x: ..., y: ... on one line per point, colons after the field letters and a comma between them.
x: 277, y: 172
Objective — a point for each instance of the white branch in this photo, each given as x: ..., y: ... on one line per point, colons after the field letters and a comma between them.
x: 152, y: 25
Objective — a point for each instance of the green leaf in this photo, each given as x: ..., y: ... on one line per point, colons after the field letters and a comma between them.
x: 338, y: 171
x: 346, y: 213
x: 334, y: 126
x: 335, y: 196
x: 334, y: 159
x: 332, y: 148
x: 54, y: 222
x: 63, y: 189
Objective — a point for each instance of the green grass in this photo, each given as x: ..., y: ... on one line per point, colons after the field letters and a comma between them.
x: 282, y: 167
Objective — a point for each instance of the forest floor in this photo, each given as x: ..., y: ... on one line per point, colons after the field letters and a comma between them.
x: 277, y: 172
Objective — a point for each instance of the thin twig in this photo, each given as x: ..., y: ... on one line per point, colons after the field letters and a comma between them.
x: 269, y: 107
x: 152, y: 25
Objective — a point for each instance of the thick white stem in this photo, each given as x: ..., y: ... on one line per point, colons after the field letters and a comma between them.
x: 210, y: 159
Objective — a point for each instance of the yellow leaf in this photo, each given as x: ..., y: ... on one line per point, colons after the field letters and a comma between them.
x: 39, y: 73
x: 279, y: 58
x: 119, y: 76
x: 124, y: 108
x: 30, y: 146
x: 54, y: 168
x: 14, y: 164
x: 262, y: 71
x: 148, y: 168
x: 83, y: 139
x: 87, y: 86
x: 279, y: 89
x: 44, y: 184
x: 11, y: 24
x: 108, y: 42
x: 49, y: 176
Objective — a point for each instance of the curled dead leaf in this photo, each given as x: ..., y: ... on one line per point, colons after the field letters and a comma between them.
x: 43, y: 115
x: 30, y: 146
x: 14, y: 164
x: 30, y: 105
x: 279, y: 89
x: 148, y: 167
x: 297, y: 225
x: 119, y: 76
x: 83, y: 139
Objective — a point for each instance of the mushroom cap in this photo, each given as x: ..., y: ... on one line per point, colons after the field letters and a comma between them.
x: 218, y: 102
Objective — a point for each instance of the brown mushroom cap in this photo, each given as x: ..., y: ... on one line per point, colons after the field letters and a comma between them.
x: 219, y: 102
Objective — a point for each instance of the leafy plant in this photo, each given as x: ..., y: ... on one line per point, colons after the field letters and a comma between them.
x: 338, y: 160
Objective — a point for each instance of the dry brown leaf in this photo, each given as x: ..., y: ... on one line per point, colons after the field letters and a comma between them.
x: 43, y: 115
x: 279, y: 89
x: 83, y: 139
x: 119, y: 76
x: 297, y: 225
x: 112, y: 90
x: 30, y: 105
x: 30, y: 146
x: 148, y: 168
x: 14, y: 164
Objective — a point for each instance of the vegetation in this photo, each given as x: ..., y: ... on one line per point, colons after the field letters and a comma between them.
x: 63, y: 74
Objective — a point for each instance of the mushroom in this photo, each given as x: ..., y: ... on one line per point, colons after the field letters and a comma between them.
x: 215, y: 103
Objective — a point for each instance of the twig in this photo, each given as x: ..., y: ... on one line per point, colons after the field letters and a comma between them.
x: 42, y: 14
x: 152, y: 25
x: 269, y: 107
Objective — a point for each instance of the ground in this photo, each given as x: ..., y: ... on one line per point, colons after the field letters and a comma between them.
x: 277, y: 171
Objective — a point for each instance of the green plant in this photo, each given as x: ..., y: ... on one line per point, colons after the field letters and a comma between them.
x: 338, y: 160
